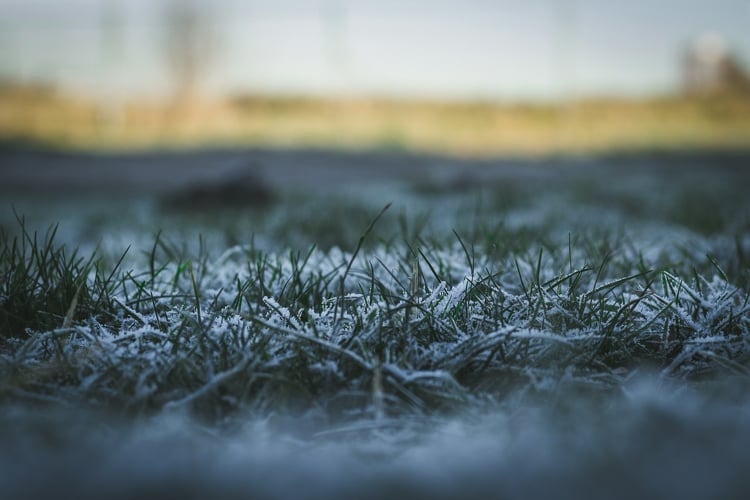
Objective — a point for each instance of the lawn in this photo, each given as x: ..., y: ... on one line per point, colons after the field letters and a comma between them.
x: 582, y: 320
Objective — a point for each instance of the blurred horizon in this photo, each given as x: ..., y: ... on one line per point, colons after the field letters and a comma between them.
x: 473, y: 77
x: 550, y: 50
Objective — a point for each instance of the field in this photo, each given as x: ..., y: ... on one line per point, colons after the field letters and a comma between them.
x: 311, y: 324
x: 50, y: 116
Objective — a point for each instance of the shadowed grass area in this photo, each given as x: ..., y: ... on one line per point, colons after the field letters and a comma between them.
x: 47, y: 286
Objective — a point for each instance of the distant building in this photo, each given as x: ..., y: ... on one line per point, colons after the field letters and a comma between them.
x: 709, y: 68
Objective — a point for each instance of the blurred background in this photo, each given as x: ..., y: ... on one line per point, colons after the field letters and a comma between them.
x: 464, y: 77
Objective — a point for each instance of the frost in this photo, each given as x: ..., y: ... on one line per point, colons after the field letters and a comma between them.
x: 221, y: 330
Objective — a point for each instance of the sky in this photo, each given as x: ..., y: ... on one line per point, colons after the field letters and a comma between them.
x: 488, y: 49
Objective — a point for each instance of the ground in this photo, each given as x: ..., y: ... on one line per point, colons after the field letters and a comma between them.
x: 308, y: 323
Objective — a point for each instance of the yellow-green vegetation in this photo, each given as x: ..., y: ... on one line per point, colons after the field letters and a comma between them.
x: 469, y: 128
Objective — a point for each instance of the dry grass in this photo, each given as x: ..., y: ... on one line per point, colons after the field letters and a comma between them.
x: 469, y: 128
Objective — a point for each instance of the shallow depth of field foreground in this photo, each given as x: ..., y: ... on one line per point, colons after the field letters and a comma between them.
x: 302, y: 324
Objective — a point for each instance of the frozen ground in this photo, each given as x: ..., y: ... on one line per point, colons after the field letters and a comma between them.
x: 567, y: 327
x: 647, y: 442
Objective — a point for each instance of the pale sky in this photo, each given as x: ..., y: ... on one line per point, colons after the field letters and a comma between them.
x: 501, y: 49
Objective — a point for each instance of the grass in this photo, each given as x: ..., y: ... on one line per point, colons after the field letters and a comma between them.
x: 402, y: 320
x: 48, y: 117
x: 449, y: 335
x: 47, y: 286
